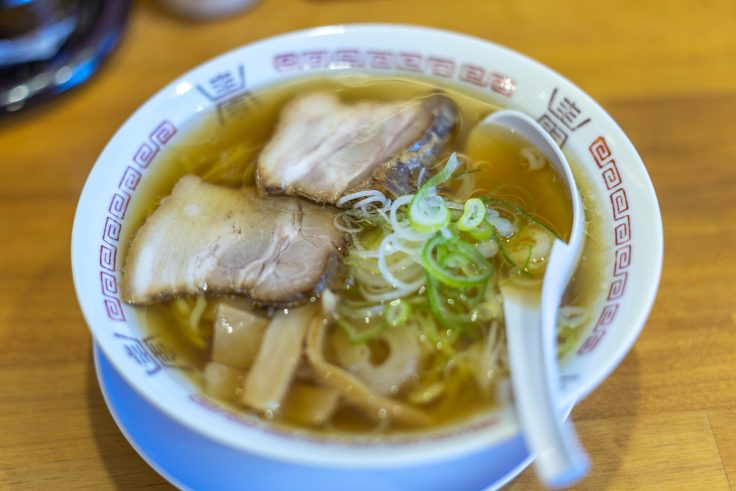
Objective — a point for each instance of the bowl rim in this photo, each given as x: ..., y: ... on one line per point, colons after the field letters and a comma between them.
x: 383, y: 458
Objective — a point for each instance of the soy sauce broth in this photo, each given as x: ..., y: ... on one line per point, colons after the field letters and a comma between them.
x: 505, y: 175
x: 225, y: 154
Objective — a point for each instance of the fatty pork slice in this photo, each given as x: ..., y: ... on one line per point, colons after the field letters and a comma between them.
x: 211, y: 238
x: 323, y: 148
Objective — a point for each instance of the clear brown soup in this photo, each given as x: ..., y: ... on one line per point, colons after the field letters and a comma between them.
x: 225, y: 154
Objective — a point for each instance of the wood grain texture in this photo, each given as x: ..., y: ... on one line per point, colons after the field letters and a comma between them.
x: 666, y: 71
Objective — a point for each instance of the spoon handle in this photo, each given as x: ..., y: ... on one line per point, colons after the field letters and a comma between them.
x: 560, y: 460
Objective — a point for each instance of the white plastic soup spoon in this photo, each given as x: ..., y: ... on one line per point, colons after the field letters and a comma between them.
x: 531, y: 330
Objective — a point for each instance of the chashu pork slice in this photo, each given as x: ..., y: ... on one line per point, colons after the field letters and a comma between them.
x: 205, y: 237
x: 323, y: 148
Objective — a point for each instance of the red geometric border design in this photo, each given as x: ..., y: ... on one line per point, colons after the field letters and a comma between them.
x: 118, y: 206
x: 109, y: 284
x: 608, y: 314
x: 287, y: 62
x: 130, y: 180
x: 619, y: 203
x: 618, y: 287
x: 145, y: 154
x: 411, y: 62
x: 600, y: 151
x: 590, y: 342
x: 473, y: 74
x: 316, y: 59
x: 622, y: 230
x: 108, y: 256
x: 441, y: 66
x: 622, y: 260
x: 114, y: 309
x: 611, y: 176
x: 163, y: 133
x: 111, y: 232
x: 622, y: 233
x: 501, y: 84
x: 383, y: 60
x: 348, y: 58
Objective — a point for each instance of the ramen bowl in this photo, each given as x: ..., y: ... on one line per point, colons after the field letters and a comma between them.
x: 628, y: 217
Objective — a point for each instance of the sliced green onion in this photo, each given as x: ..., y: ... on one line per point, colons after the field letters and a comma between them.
x: 425, y: 395
x: 473, y: 215
x: 440, y: 308
x: 428, y: 211
x: 452, y: 307
x: 504, y: 253
x: 464, y: 173
x: 519, y: 210
x: 484, y: 231
x: 455, y: 262
x: 358, y: 335
x: 428, y: 214
x: 443, y: 175
x: 525, y: 268
x: 397, y: 313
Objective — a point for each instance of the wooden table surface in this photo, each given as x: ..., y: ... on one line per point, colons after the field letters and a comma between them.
x: 666, y: 71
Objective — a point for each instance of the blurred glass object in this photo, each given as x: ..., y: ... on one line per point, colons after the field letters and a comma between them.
x: 49, y: 46
x: 32, y: 31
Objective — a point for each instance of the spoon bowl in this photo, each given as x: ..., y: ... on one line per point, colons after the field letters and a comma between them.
x: 531, y: 326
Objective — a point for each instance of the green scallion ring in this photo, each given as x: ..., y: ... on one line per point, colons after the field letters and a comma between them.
x: 424, y: 215
x: 476, y: 268
x: 473, y: 214
x: 482, y: 232
x: 397, y: 313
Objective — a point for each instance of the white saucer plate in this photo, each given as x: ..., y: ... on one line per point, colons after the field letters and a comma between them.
x: 192, y: 462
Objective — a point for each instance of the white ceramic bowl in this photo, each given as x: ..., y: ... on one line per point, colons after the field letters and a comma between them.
x: 606, y: 157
